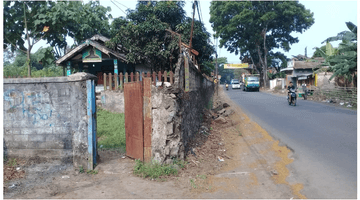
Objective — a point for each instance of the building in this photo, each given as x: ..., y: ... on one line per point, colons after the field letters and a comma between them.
x: 302, y: 72
x: 92, y: 56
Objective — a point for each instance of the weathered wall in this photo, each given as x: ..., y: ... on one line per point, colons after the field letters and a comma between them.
x: 112, y: 101
x: 166, y: 132
x: 47, y: 118
x: 177, y: 115
x: 323, y: 80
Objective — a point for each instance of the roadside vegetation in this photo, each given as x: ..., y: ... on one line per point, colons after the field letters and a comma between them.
x: 155, y: 170
x: 110, y: 130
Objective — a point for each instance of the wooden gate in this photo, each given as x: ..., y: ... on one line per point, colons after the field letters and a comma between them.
x: 134, y: 128
x: 137, y: 96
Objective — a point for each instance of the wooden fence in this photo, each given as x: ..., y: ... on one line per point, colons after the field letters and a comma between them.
x: 117, y: 81
x: 338, y: 94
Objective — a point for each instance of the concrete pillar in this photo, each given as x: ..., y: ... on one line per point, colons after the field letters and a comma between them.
x: 115, y: 67
x: 116, y: 72
x: 68, y: 72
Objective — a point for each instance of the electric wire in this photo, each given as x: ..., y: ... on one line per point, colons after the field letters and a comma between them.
x: 118, y: 6
x: 121, y: 4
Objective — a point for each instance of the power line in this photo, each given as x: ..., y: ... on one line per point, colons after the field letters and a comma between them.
x: 200, y: 11
x: 197, y: 5
x: 118, y: 7
x: 121, y: 4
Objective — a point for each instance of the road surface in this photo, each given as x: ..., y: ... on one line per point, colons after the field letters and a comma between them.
x: 322, y: 137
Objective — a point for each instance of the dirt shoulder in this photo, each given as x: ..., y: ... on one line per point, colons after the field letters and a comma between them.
x: 253, y: 167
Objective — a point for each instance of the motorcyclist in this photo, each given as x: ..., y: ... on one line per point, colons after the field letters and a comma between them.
x: 291, y: 86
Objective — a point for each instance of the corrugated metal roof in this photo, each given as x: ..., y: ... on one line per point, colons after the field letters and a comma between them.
x: 287, y: 69
x: 306, y: 64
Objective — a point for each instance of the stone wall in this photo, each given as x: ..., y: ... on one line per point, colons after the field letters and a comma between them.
x: 112, y: 100
x: 47, y: 118
x: 177, y: 115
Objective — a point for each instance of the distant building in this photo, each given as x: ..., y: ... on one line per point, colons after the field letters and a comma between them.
x: 302, y: 71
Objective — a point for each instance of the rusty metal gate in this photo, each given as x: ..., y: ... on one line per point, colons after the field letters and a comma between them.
x: 137, y: 99
x: 134, y: 126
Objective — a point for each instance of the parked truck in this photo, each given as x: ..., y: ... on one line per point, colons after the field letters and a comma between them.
x: 252, y: 82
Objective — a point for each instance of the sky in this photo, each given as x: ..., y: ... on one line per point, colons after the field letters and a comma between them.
x: 330, y: 18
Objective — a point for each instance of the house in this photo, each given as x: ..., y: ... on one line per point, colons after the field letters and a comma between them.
x: 301, y: 71
x: 92, y: 56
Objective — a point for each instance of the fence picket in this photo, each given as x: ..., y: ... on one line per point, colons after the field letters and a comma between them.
x: 105, y: 81
x: 110, y: 81
x: 171, y: 77
x: 116, y: 81
x: 154, y: 78
x: 137, y: 77
x: 121, y: 81
x: 132, y: 76
x: 126, y: 77
x: 159, y: 76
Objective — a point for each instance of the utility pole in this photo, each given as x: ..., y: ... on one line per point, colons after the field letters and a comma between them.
x: 216, y: 67
x: 192, y: 26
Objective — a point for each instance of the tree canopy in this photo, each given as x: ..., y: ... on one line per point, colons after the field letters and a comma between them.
x: 27, y: 22
x: 255, y: 28
x: 143, y: 36
x: 42, y: 64
x: 63, y: 18
x: 343, y: 60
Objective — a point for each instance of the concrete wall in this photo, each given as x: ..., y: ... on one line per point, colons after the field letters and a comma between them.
x: 177, y: 115
x: 323, y: 80
x: 112, y: 101
x: 47, y: 118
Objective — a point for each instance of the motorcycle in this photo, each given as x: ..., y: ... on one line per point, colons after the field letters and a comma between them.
x: 227, y: 86
x: 292, y: 99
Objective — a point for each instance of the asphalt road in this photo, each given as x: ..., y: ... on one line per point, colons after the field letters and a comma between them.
x: 323, y: 139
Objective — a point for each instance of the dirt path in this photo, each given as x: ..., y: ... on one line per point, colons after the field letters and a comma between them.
x: 254, y: 167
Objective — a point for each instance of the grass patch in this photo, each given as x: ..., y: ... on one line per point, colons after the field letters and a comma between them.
x: 192, y: 182
x: 92, y: 171
x: 181, y: 163
x: 13, y: 162
x: 154, y: 170
x: 203, y: 177
x: 81, y: 170
x: 110, y: 129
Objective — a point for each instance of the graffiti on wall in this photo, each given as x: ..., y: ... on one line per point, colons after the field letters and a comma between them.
x: 34, y: 106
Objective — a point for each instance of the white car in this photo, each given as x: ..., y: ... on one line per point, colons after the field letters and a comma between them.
x: 235, y: 84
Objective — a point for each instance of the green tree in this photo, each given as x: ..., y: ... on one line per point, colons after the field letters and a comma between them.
x: 226, y: 74
x: 69, y: 18
x: 19, y: 26
x: 43, y: 64
x: 238, y: 73
x: 317, y: 52
x: 143, y: 36
x: 342, y: 62
x: 74, y: 19
x: 253, y: 28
